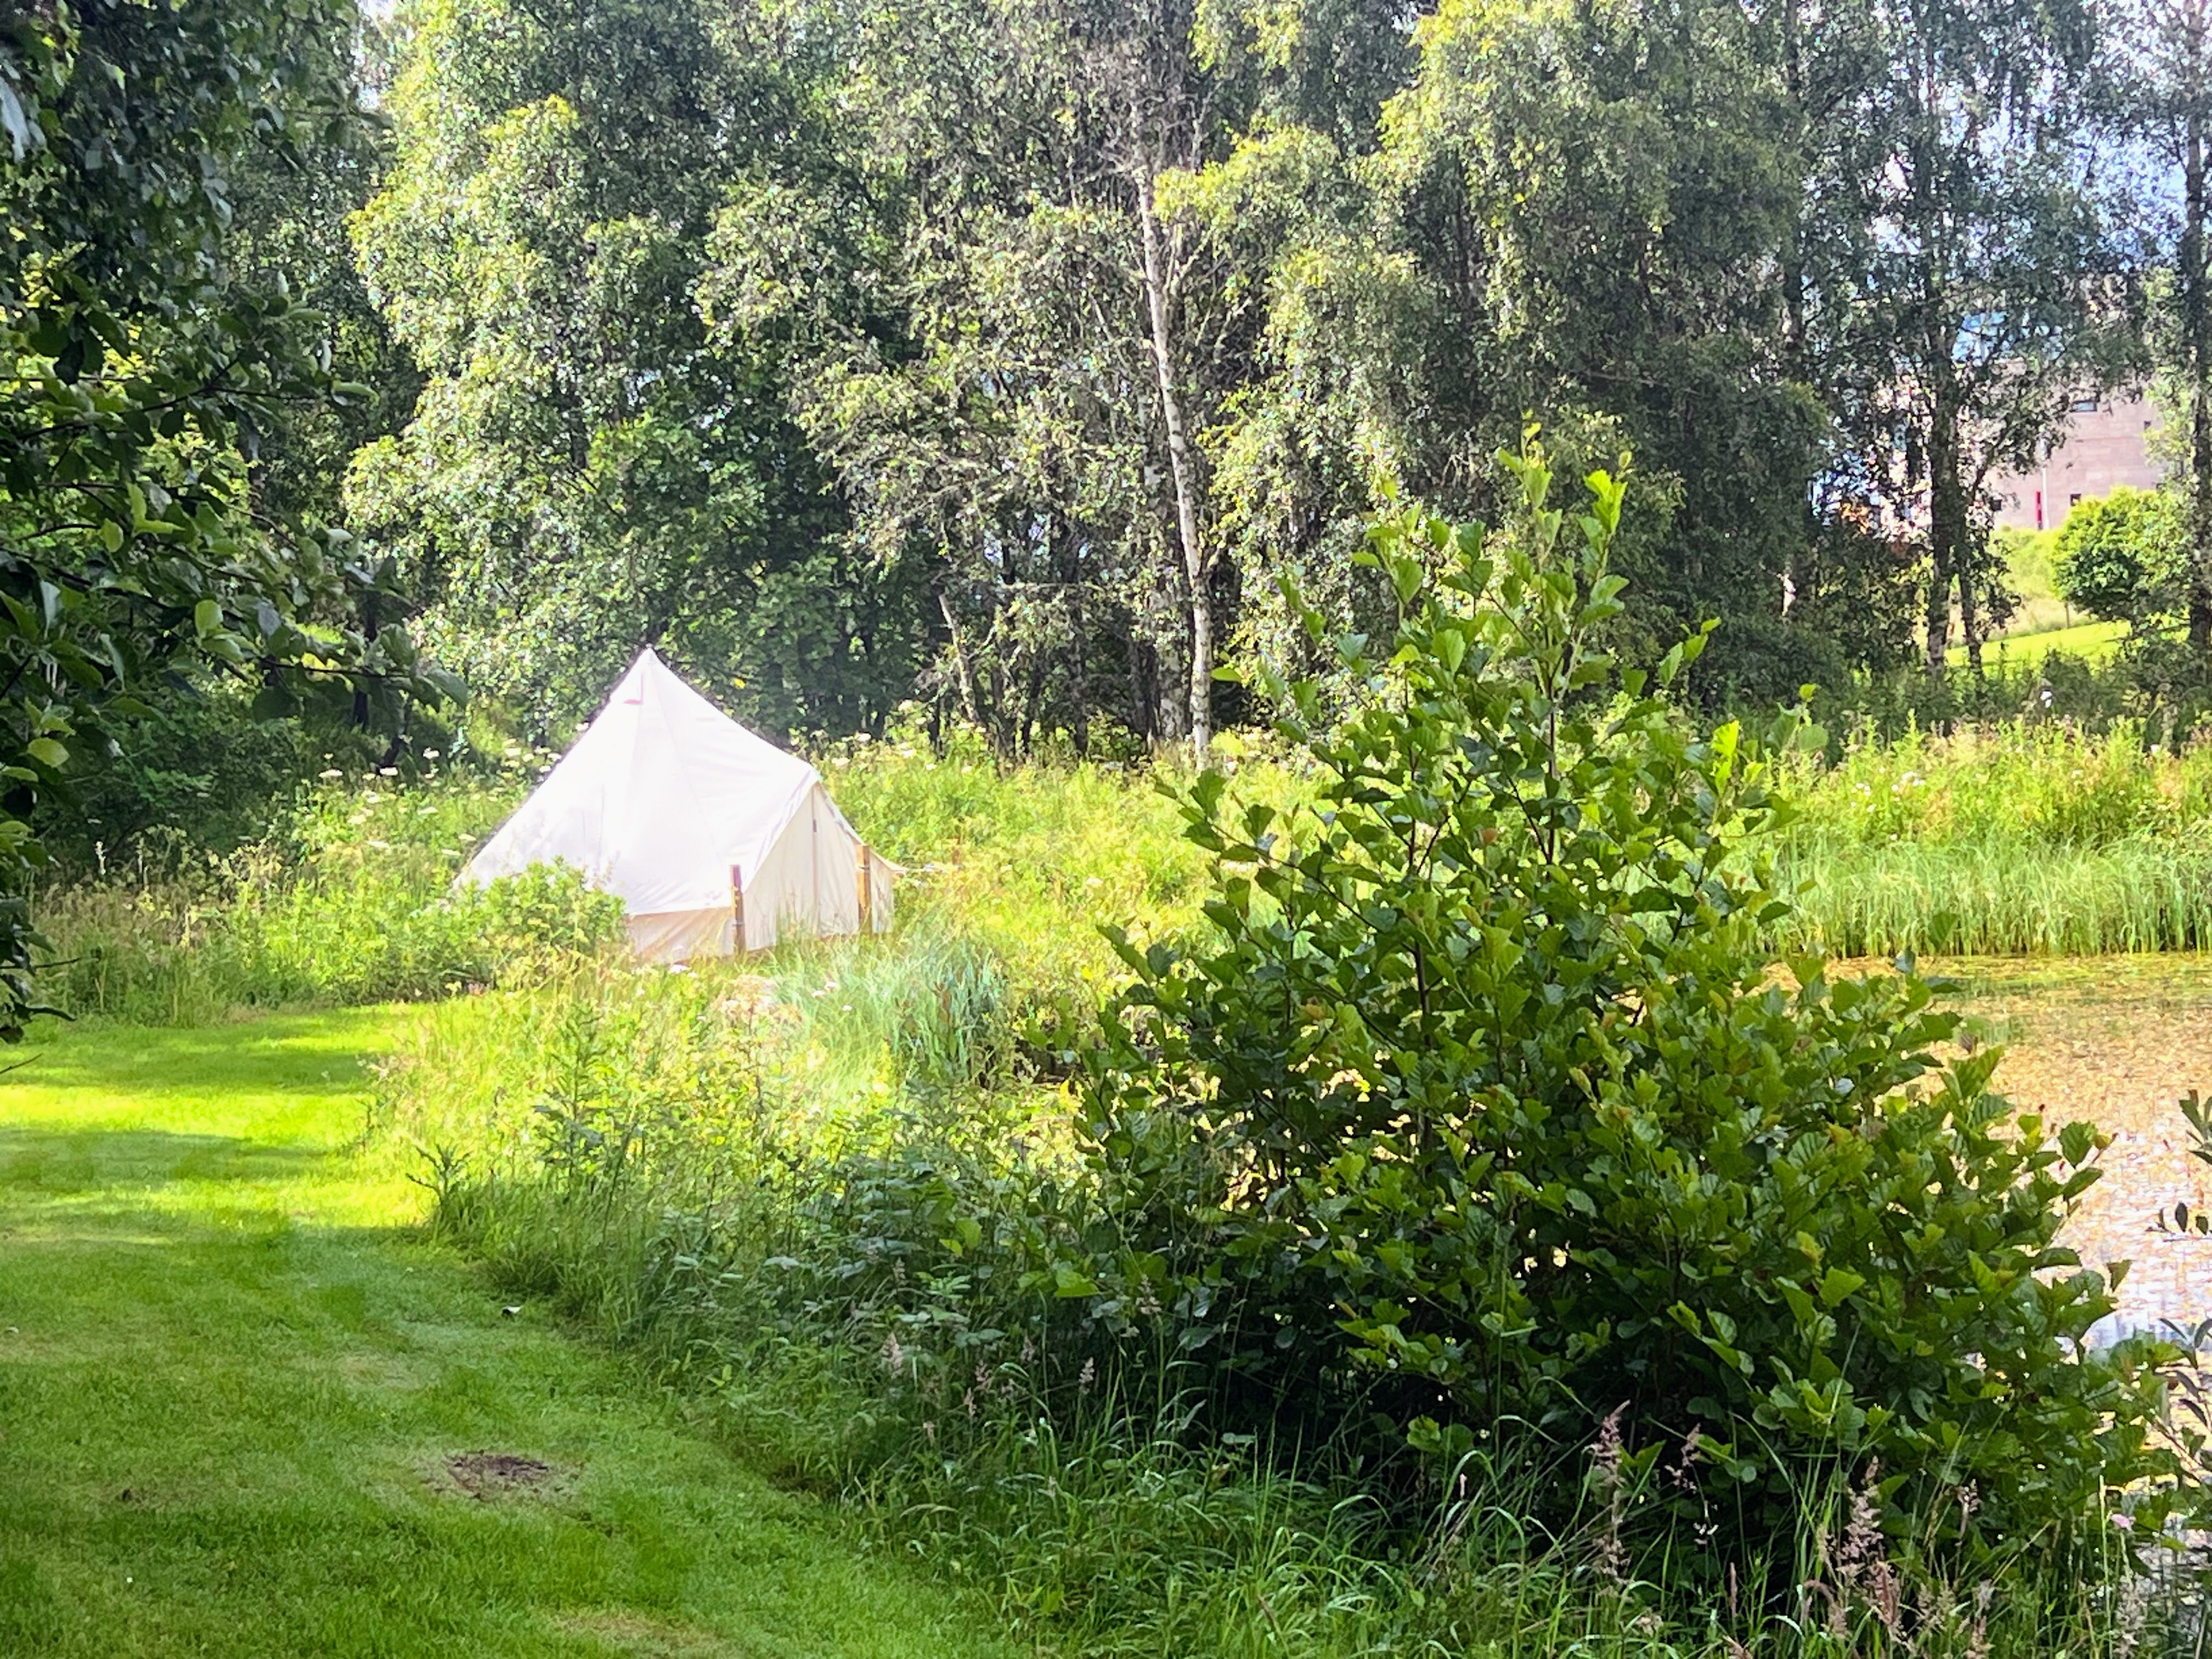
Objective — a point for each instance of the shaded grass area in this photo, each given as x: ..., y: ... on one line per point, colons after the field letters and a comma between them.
x: 231, y: 1383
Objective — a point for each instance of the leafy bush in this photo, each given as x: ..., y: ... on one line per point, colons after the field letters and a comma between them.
x: 1485, y: 1102
x: 2123, y: 557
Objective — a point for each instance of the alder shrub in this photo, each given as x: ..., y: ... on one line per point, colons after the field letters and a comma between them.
x: 1482, y: 1100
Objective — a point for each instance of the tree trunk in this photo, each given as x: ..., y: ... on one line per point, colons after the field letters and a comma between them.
x: 2197, y: 325
x: 1794, y: 345
x: 369, y: 620
x: 1183, y: 465
x: 1947, y: 524
x: 1970, y: 610
x: 962, y: 669
x: 1078, y: 657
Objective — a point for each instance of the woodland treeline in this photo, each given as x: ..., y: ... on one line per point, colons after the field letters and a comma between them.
x: 1007, y: 353
x: 1008, y: 356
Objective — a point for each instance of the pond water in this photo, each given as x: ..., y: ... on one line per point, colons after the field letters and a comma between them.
x: 2116, y: 1041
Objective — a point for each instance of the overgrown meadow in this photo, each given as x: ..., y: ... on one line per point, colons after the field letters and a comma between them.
x: 837, y: 1194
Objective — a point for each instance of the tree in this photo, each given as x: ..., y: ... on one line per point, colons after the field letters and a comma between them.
x: 1982, y: 291
x: 2165, y: 83
x: 1026, y: 393
x: 141, y: 370
x: 584, y: 473
x: 1578, y: 210
x: 2126, y: 558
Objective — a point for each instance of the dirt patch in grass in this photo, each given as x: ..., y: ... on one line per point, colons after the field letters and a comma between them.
x: 488, y: 1475
x: 646, y: 1638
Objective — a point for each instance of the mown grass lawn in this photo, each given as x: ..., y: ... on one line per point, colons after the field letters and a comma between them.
x: 2095, y: 642
x: 233, y: 1380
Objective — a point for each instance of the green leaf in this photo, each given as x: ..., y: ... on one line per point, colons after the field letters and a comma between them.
x: 1837, y: 1283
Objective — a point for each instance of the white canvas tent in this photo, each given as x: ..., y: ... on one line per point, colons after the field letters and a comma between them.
x: 714, y: 839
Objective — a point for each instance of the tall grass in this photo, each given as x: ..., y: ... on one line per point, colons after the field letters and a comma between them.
x: 351, y: 900
x: 2026, y: 838
x: 2029, y: 837
x: 820, y: 1255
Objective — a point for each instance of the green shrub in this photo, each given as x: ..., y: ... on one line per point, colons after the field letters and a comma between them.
x: 1483, y: 1103
x: 2122, y: 557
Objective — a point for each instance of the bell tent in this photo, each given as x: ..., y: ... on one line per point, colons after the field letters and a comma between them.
x: 714, y: 840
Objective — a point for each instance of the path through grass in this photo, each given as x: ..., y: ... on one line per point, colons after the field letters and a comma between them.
x: 234, y: 1384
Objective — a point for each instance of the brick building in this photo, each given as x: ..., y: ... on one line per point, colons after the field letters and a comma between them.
x: 2105, y: 444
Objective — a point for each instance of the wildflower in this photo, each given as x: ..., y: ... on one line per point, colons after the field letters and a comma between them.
x: 1861, y: 1565
x: 330, y: 775
x: 1862, y: 1531
x: 1683, y: 1476
x: 387, y: 771
x: 1087, y: 1377
x: 1608, y: 1458
x: 1977, y: 1638
x: 894, y: 1355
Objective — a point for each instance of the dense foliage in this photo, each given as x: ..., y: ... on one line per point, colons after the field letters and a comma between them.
x: 2123, y: 557
x: 1483, y: 1103
x: 137, y: 547
x: 1004, y: 354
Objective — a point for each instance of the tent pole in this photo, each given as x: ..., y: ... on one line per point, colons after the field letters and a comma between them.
x: 864, y: 890
x: 737, y: 905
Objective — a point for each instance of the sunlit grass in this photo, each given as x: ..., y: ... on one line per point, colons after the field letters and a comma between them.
x: 2093, y: 642
x: 233, y: 1375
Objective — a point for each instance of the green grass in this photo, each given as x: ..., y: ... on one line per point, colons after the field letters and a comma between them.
x: 2093, y: 642
x: 2026, y: 838
x: 231, y: 1373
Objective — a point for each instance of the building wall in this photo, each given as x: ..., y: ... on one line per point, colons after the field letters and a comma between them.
x: 2101, y: 448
